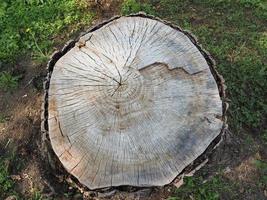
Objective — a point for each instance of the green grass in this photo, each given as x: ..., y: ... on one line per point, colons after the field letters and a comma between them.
x: 2, y: 118
x: 8, y: 81
x: 31, y: 26
x: 37, y: 196
x: 262, y: 167
x: 11, y: 163
x: 264, y: 137
x: 8, y: 161
x: 6, y: 183
x: 134, y: 6
x: 195, y: 188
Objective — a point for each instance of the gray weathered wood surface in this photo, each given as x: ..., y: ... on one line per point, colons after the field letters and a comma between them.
x: 133, y: 103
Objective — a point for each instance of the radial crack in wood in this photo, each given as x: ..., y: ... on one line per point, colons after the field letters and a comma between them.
x: 132, y: 103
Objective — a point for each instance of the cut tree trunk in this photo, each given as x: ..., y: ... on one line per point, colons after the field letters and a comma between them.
x: 133, y: 102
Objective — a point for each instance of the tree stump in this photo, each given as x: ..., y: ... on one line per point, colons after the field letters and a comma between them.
x: 133, y: 102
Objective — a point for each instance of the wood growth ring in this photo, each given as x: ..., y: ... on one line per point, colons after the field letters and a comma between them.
x: 133, y: 102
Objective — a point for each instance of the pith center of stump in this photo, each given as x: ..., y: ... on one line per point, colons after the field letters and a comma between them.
x: 127, y: 86
x: 124, y: 81
x: 125, y: 101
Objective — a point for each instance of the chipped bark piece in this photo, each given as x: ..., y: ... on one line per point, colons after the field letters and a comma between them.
x: 133, y: 102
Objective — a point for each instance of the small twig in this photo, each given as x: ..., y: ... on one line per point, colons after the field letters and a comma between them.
x: 30, y: 81
x: 7, y: 143
x: 37, y: 46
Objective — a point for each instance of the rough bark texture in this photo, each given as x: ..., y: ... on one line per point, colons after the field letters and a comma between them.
x: 133, y: 102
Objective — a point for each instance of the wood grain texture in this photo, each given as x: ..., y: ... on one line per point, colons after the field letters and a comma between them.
x: 133, y: 103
